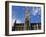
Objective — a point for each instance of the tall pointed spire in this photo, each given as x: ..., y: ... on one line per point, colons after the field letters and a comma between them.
x: 27, y: 16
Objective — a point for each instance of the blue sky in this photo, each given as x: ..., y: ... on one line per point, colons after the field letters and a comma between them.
x: 18, y: 14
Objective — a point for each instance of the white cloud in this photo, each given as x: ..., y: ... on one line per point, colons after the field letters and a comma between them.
x: 35, y: 11
x: 18, y: 21
x: 13, y: 21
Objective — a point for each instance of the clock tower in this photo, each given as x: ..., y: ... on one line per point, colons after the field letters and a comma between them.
x: 27, y: 17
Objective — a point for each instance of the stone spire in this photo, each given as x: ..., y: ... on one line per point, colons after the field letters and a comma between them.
x: 27, y: 16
